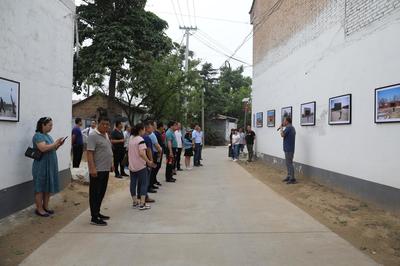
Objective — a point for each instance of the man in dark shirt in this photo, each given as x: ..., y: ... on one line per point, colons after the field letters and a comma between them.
x: 77, y: 143
x: 118, y: 140
x: 250, y: 137
x: 158, y: 133
x: 289, y: 140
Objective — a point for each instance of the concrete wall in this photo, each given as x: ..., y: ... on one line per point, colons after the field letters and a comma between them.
x: 36, y: 49
x: 324, y: 59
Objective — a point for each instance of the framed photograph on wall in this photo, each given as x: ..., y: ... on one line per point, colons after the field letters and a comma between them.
x: 387, y: 104
x: 259, y: 119
x: 286, y: 112
x: 307, y: 114
x: 271, y: 118
x: 340, y: 110
x: 9, y: 100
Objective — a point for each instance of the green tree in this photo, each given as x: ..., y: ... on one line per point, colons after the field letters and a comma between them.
x: 117, y: 37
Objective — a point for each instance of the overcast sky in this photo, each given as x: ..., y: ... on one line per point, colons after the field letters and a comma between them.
x: 222, y: 24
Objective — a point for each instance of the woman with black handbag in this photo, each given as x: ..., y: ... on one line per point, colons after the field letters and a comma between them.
x: 45, y: 168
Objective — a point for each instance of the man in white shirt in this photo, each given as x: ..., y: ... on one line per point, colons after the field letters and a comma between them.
x: 197, y: 142
x: 89, y: 130
x: 178, y: 136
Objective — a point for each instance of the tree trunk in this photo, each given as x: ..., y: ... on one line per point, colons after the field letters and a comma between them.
x: 112, y: 83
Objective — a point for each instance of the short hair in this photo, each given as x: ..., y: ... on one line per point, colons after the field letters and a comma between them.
x: 148, y: 123
x: 171, y: 123
x: 78, y: 120
x: 136, y: 129
x: 160, y: 125
x: 42, y: 122
x: 126, y: 126
x: 117, y: 123
x: 103, y: 118
x: 288, y: 119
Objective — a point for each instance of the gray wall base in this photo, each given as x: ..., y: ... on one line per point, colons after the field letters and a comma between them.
x: 384, y: 196
x: 20, y: 196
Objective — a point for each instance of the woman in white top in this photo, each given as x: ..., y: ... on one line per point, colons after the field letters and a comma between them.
x: 235, y: 144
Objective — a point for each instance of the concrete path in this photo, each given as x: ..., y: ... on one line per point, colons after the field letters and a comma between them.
x: 215, y: 215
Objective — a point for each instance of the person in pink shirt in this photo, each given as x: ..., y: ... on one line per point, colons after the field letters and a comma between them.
x: 138, y: 163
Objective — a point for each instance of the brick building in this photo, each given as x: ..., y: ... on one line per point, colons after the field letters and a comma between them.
x: 90, y: 108
x: 313, y: 50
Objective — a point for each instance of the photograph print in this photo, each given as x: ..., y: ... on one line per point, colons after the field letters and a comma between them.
x: 307, y: 114
x: 387, y: 104
x: 340, y: 110
x: 286, y: 112
x: 259, y: 119
x: 9, y: 100
x: 271, y: 118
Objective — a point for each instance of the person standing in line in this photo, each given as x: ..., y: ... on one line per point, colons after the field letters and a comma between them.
x: 201, y: 144
x: 157, y: 152
x: 289, y: 139
x: 138, y: 163
x: 118, y: 140
x: 235, y: 143
x: 159, y: 132
x: 179, y: 140
x: 197, y: 140
x: 45, y: 170
x: 148, y: 129
x: 100, y: 163
x: 89, y: 130
x: 77, y: 143
x: 170, y: 143
x: 242, y: 141
x: 127, y: 135
x: 230, y: 152
x: 250, y: 138
x: 187, y: 142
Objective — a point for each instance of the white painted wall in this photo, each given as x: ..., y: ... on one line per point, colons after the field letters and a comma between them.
x: 333, y: 64
x: 36, y: 49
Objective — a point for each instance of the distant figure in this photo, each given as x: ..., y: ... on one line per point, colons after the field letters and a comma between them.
x: 242, y: 141
x: 100, y: 163
x: 235, y: 144
x: 250, y: 137
x: 118, y: 140
x: 77, y: 143
x: 289, y: 138
x: 170, y: 151
x: 197, y: 142
x: 179, y: 140
x: 45, y: 170
x: 187, y: 142
x: 89, y: 130
x: 2, y: 107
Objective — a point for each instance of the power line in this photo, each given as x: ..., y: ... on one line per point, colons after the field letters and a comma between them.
x: 194, y: 14
x: 176, y: 15
x: 209, y: 18
x: 188, y: 9
x: 219, y: 51
x: 180, y: 12
x: 215, y: 41
x: 258, y: 25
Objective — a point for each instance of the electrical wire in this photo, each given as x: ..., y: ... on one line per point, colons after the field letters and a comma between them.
x: 257, y: 25
x: 180, y: 12
x: 188, y: 9
x: 204, y: 34
x: 194, y: 14
x: 209, y: 18
x: 176, y: 15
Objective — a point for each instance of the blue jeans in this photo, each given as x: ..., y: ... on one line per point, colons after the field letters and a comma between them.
x: 236, y: 151
x: 140, y: 179
x: 197, y: 154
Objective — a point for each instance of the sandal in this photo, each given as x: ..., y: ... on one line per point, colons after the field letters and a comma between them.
x: 41, y: 215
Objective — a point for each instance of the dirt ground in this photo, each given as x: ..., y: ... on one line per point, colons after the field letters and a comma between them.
x: 372, y: 230
x: 24, y: 232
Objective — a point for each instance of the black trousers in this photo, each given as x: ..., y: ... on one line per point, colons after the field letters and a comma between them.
x: 77, y: 151
x: 118, y: 158
x: 170, y: 165
x: 154, y: 171
x: 178, y: 156
x: 97, y: 190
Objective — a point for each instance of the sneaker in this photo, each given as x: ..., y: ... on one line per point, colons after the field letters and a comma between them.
x: 235, y: 160
x: 293, y: 181
x: 103, y: 217
x: 158, y: 184
x: 144, y: 207
x: 98, y: 222
x: 286, y: 179
x: 135, y: 205
x: 150, y: 200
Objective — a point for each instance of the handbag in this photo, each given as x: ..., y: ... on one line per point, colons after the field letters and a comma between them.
x: 33, y: 153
